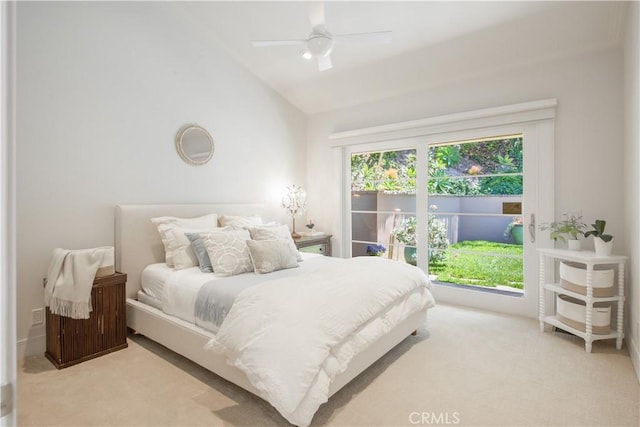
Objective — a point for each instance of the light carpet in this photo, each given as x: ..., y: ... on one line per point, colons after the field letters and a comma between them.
x: 471, y: 368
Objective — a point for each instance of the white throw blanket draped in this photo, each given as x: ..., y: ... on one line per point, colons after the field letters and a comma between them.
x: 70, y: 279
x: 293, y: 337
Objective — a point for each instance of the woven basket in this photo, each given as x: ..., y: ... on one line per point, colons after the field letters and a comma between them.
x: 573, y: 277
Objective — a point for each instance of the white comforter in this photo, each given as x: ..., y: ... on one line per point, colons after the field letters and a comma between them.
x: 293, y: 337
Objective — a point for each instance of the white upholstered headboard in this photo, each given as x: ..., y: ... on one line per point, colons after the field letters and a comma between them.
x: 138, y: 243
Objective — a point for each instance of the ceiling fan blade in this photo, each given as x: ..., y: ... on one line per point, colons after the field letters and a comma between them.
x: 316, y: 13
x: 267, y: 43
x: 324, y: 63
x: 363, y: 38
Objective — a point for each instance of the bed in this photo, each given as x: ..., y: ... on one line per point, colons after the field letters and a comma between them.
x: 138, y: 245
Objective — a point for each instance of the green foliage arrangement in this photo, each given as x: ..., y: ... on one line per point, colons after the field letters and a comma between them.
x: 438, y: 241
x: 406, y: 231
x: 598, y: 231
x: 571, y: 226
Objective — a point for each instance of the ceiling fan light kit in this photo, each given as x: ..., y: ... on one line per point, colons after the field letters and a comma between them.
x: 320, y: 42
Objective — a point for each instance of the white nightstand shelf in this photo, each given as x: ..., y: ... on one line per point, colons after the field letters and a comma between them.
x: 549, y: 286
x: 552, y: 320
x: 561, y: 290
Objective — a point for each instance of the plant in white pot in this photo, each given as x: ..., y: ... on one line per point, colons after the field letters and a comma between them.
x: 566, y: 230
x: 438, y: 241
x: 602, y: 242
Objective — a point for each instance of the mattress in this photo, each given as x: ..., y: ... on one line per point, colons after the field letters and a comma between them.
x: 153, y: 278
x: 175, y: 291
x: 149, y: 300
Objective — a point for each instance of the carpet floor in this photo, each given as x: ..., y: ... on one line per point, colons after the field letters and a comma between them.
x: 470, y: 368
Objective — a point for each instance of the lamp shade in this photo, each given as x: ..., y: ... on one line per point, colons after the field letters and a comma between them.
x: 294, y: 201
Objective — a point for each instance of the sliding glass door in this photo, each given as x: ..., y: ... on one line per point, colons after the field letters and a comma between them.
x: 383, y: 201
x: 461, y: 206
x: 476, y: 231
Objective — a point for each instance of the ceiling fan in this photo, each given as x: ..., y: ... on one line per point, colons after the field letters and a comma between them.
x: 320, y: 42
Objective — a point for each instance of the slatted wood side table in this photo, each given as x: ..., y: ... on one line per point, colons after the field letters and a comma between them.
x: 71, y: 341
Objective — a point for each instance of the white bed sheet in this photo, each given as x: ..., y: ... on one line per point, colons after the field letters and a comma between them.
x: 146, y: 299
x: 176, y: 290
x: 153, y: 279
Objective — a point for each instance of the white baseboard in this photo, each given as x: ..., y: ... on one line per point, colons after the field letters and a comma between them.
x: 31, y: 346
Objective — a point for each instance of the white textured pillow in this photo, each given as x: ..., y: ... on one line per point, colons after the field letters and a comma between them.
x: 280, y: 232
x: 236, y: 221
x: 205, y: 222
x: 228, y: 252
x: 271, y: 255
x: 179, y: 245
x: 200, y: 250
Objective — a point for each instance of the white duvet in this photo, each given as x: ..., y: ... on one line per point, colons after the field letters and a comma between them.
x: 293, y: 337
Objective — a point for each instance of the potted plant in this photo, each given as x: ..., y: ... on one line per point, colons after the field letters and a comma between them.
x: 515, y: 231
x: 438, y: 241
x: 566, y: 230
x: 406, y: 233
x: 603, y: 242
x: 376, y: 250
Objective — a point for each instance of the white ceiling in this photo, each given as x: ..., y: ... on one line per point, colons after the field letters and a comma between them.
x: 433, y: 42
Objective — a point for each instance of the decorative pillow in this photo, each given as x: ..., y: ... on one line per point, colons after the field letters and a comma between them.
x: 197, y: 244
x: 280, y: 232
x: 271, y: 255
x: 179, y: 245
x: 205, y: 222
x: 228, y: 252
x: 236, y: 221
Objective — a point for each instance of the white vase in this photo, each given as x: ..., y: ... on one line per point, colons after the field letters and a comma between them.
x: 603, y: 248
x: 574, y: 244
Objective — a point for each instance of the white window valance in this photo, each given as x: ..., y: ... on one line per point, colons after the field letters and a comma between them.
x: 496, y: 116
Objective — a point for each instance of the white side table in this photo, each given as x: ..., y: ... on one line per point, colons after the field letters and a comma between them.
x: 549, y: 286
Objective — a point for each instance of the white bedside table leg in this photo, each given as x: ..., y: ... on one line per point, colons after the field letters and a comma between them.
x: 541, y: 306
x: 620, y: 317
x: 589, y: 309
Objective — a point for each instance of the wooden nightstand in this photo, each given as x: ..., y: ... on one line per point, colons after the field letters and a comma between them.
x: 71, y: 341
x: 315, y: 244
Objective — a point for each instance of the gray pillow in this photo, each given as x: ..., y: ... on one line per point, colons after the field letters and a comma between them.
x: 276, y: 232
x: 271, y: 255
x: 201, y: 252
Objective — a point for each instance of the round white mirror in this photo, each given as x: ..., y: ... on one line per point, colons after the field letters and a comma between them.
x: 194, y: 144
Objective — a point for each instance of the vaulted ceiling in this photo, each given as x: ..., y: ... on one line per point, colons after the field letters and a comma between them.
x: 433, y: 42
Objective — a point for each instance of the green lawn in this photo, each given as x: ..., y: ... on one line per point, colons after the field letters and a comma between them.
x: 479, y: 269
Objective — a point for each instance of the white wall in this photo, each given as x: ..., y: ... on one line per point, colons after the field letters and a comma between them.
x: 632, y: 176
x: 102, y: 90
